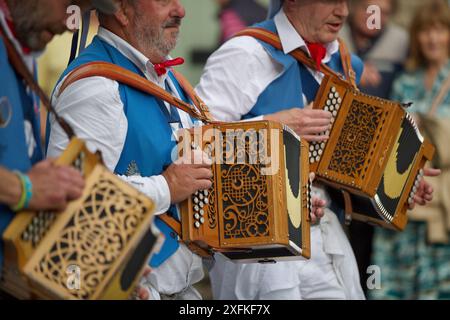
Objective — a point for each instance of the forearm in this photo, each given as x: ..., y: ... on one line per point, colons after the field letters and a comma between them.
x: 10, y: 187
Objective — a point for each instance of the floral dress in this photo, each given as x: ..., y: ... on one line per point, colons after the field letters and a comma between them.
x: 412, y: 268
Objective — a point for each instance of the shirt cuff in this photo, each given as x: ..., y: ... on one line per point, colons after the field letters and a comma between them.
x: 258, y: 118
x: 154, y: 187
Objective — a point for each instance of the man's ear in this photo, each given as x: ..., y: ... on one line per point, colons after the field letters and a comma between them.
x: 122, y: 15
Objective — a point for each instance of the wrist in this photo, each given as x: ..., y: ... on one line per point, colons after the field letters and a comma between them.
x: 26, y: 192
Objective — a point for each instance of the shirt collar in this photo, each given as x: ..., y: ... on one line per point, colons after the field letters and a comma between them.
x: 292, y: 40
x: 134, y: 55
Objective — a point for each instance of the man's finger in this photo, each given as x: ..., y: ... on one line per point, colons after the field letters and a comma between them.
x: 143, y: 293
x: 315, y: 138
x: 431, y: 172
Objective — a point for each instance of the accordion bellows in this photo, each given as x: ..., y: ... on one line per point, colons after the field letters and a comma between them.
x: 258, y: 208
x: 375, y: 154
x: 94, y: 249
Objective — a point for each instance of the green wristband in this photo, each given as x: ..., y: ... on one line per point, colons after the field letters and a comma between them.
x: 27, y: 192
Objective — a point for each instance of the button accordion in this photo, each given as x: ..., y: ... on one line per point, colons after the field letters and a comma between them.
x: 258, y: 207
x: 94, y: 249
x: 375, y: 154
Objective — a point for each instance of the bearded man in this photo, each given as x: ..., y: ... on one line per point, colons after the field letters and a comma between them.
x: 134, y: 130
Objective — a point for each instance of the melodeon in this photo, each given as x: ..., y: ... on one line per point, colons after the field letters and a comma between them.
x: 375, y: 154
x: 258, y: 207
x: 94, y: 249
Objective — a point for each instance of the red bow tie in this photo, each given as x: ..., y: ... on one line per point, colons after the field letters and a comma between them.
x: 161, y: 68
x: 318, y: 53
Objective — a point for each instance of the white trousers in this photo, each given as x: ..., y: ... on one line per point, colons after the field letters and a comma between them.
x: 331, y: 273
x: 174, y: 279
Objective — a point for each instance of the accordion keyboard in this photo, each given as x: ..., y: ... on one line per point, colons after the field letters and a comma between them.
x: 333, y: 104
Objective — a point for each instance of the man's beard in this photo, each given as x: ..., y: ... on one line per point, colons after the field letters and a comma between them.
x: 28, y: 25
x: 152, y: 38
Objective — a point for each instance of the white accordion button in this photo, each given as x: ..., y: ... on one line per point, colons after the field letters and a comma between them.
x: 197, y: 224
x: 333, y: 89
x: 196, y: 216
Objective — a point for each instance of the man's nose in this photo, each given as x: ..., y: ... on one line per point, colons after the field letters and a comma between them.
x: 342, y: 9
x: 178, y: 9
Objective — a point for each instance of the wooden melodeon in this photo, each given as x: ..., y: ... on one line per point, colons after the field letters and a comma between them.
x: 258, y: 207
x: 375, y: 154
x: 94, y: 249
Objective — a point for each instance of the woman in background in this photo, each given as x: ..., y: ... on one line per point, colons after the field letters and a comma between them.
x: 415, y: 263
x: 236, y: 15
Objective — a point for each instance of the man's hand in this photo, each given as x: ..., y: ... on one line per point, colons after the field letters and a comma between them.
x: 318, y: 210
x: 318, y: 205
x: 188, y: 175
x: 370, y: 77
x: 424, y: 193
x: 142, y: 293
x: 54, y: 186
x: 308, y: 123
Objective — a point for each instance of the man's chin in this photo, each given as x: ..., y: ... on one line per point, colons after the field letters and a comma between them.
x: 37, y: 43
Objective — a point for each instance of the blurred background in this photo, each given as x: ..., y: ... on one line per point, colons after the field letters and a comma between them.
x: 200, y: 35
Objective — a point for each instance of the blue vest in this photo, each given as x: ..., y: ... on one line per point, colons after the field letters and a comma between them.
x: 16, y: 107
x: 287, y: 90
x: 149, y: 143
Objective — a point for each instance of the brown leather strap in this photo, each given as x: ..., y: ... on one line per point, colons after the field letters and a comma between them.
x: 346, y: 60
x: 196, y: 100
x: 174, y: 224
x: 22, y: 70
x: 348, y: 208
x: 437, y: 101
x: 274, y: 40
x: 108, y: 70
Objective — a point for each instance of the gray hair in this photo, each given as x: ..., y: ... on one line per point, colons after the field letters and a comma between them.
x: 105, y: 6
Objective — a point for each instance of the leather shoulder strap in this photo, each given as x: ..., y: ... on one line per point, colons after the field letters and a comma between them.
x: 196, y: 100
x: 108, y: 70
x: 346, y: 60
x: 437, y: 101
x: 274, y: 40
x: 174, y: 224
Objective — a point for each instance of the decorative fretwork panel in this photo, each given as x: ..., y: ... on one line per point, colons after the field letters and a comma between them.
x: 94, y: 237
x: 354, y: 144
x: 244, y: 189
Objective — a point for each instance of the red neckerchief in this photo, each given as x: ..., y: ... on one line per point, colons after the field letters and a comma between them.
x: 4, y: 8
x: 318, y: 52
x: 161, y: 68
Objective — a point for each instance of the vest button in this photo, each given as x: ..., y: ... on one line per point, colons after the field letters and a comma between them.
x: 173, y: 235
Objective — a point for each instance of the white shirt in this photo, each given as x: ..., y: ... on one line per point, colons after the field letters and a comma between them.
x: 93, y: 108
x: 229, y: 83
